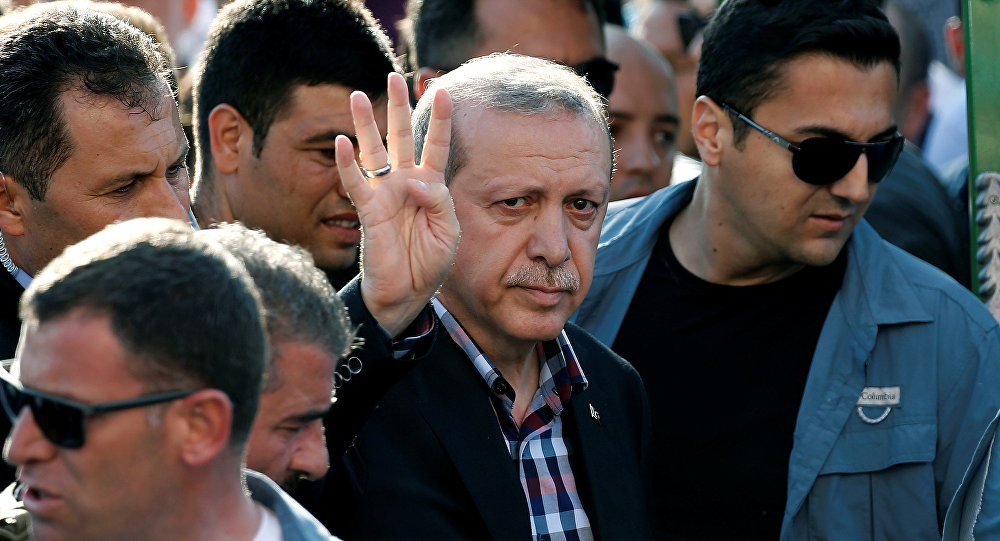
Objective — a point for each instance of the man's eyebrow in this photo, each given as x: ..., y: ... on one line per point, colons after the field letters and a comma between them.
x: 826, y: 131
x: 668, y: 118
x: 185, y: 149
x: 308, y: 416
x: 129, y: 176
x: 330, y: 136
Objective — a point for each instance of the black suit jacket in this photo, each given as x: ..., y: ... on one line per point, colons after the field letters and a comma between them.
x: 432, y: 463
x: 10, y: 330
x: 10, y: 323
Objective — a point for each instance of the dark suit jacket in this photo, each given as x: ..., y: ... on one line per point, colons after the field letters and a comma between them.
x: 432, y: 463
x: 10, y: 323
x: 10, y: 330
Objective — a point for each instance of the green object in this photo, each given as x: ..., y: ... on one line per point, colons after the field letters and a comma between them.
x: 982, y: 68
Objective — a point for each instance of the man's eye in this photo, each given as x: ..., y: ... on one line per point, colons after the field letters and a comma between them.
x: 514, y: 202
x: 664, y: 137
x: 124, y: 190
x: 291, y: 429
x: 175, y: 170
x: 583, y: 205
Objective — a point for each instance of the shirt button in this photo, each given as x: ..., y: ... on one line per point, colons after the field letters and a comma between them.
x: 499, y: 387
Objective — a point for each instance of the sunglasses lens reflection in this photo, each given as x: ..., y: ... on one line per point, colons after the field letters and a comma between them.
x: 600, y: 73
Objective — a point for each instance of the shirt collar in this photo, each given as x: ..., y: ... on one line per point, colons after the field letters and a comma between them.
x: 559, y: 377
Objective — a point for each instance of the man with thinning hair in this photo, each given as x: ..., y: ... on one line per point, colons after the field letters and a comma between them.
x: 513, y: 424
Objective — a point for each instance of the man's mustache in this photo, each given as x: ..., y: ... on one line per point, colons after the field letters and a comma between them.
x: 542, y: 276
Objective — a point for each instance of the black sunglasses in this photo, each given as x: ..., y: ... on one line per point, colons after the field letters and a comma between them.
x: 62, y: 421
x: 825, y: 160
x: 690, y: 23
x: 600, y: 73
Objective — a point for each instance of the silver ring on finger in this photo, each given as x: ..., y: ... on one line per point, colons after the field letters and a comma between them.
x: 372, y: 173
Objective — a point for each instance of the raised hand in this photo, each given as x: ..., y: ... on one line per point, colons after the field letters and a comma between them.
x: 410, y: 232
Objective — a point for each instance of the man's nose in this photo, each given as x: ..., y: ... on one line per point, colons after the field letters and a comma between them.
x: 311, y: 458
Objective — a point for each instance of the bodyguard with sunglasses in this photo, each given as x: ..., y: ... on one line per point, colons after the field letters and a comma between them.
x: 807, y: 380
x: 134, y: 393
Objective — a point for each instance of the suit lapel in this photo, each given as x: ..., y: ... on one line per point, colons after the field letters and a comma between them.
x: 456, y: 405
x: 595, y: 451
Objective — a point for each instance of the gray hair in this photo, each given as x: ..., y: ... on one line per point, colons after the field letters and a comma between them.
x: 299, y: 303
x: 510, y: 83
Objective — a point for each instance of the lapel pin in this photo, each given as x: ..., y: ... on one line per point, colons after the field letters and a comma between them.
x: 594, y: 414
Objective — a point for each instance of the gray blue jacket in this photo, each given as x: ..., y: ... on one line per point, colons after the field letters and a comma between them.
x: 975, y: 510
x: 900, y: 332
x: 296, y: 523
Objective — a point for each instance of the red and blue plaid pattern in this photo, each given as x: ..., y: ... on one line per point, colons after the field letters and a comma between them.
x: 537, y: 446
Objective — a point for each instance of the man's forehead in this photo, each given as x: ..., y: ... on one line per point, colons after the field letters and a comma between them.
x: 566, y: 31
x: 325, y: 107
x: 494, y: 151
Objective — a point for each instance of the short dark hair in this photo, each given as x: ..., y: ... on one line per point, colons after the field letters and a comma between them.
x: 46, y: 51
x: 182, y: 307
x: 258, y: 51
x: 747, y: 42
x: 443, y: 34
x: 299, y: 302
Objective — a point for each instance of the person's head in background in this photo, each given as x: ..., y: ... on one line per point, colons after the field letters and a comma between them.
x: 271, y: 93
x: 954, y: 39
x: 309, y: 332
x: 89, y: 130
x: 443, y: 34
x: 674, y: 28
x: 138, y: 18
x: 913, y: 103
x: 643, y: 116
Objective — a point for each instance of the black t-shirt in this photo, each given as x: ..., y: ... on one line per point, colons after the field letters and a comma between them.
x: 724, y: 368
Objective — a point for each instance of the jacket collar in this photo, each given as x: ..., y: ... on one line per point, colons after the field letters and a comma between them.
x: 875, y: 285
x: 641, y: 219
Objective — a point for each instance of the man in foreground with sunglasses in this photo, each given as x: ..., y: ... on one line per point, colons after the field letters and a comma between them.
x: 807, y: 380
x: 134, y: 393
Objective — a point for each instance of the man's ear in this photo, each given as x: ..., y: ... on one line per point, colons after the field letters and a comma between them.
x: 707, y: 123
x: 421, y: 78
x: 13, y: 200
x: 226, y: 128
x: 200, y: 426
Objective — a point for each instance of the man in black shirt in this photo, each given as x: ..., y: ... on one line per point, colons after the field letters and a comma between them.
x: 806, y: 379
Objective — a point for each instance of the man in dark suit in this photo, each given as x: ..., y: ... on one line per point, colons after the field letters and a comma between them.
x: 513, y: 424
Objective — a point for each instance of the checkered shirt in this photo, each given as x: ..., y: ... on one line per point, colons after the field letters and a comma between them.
x: 537, y: 446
